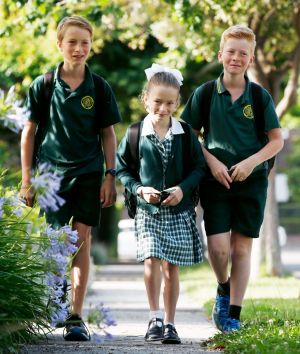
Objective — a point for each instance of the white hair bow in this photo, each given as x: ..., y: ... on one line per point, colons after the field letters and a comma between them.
x: 156, y: 68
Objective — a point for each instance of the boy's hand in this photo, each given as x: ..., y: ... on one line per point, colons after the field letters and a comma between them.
x: 108, y: 193
x: 27, y: 193
x: 174, y: 198
x: 220, y: 172
x: 243, y: 169
x: 217, y: 168
x: 151, y: 195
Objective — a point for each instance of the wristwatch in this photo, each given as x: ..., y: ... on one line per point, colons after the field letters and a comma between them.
x: 110, y: 171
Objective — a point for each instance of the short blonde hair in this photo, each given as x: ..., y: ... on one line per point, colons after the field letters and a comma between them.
x: 239, y: 32
x: 77, y: 21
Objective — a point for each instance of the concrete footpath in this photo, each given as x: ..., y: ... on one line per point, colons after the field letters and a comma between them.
x: 121, y: 287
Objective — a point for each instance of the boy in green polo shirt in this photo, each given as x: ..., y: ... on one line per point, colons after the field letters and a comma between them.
x: 72, y: 145
x: 233, y: 197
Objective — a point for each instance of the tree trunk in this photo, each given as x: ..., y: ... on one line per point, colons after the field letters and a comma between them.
x: 270, y: 231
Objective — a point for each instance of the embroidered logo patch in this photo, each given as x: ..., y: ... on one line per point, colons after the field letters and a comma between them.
x: 248, y: 112
x: 87, y: 102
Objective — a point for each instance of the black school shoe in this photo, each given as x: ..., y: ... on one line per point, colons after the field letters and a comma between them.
x: 170, y: 335
x: 155, y: 330
x: 76, y: 330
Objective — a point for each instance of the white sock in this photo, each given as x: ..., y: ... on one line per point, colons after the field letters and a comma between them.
x: 170, y: 323
x: 155, y: 314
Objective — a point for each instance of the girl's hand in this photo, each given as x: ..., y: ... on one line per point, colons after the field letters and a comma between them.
x: 174, y: 198
x: 243, y: 169
x: 151, y: 195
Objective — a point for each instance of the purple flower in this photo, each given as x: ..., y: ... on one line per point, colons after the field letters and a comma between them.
x: 12, y: 114
x: 102, y: 317
x: 60, y: 247
x: 47, y: 184
x: 2, y: 201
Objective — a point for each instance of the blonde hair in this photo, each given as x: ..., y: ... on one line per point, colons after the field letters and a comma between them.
x: 239, y: 32
x: 160, y: 79
x: 77, y: 21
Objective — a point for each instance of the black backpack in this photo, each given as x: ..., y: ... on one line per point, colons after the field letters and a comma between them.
x: 134, y: 133
x: 258, y: 111
x: 44, y: 104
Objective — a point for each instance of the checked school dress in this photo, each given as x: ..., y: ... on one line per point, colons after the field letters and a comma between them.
x: 166, y: 235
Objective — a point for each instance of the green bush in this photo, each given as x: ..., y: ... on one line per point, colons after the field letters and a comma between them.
x: 270, y: 326
x: 33, y: 263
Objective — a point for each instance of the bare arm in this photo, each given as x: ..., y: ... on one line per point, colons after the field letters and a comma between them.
x: 108, y: 189
x: 27, y: 146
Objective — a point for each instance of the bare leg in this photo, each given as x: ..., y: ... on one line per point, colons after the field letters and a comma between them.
x: 219, y: 255
x: 171, y: 290
x: 240, y: 270
x: 152, y: 279
x: 80, y: 267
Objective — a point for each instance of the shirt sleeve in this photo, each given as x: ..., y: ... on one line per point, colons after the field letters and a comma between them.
x: 110, y: 112
x: 191, y: 113
x: 33, y: 101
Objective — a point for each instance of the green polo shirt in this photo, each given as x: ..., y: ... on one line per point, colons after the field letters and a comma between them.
x: 232, y: 135
x: 72, y: 143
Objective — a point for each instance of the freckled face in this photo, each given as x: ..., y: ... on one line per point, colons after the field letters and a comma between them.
x: 161, y: 101
x: 75, y: 45
x: 236, y: 56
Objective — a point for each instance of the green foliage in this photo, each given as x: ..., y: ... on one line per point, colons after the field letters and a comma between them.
x: 271, y: 315
x: 24, y: 315
x: 269, y: 326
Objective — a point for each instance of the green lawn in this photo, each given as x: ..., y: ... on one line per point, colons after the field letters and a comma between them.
x: 270, y: 316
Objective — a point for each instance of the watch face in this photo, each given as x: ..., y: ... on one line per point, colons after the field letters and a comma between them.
x: 111, y: 171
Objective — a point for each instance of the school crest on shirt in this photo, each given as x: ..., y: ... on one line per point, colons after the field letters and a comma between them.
x: 87, y: 102
x: 248, y: 112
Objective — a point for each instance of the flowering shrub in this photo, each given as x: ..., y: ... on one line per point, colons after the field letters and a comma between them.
x: 101, y: 316
x: 33, y: 264
x: 46, y: 184
x: 33, y: 257
x: 12, y: 114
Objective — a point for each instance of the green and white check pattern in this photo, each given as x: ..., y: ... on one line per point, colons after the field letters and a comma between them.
x: 167, y: 236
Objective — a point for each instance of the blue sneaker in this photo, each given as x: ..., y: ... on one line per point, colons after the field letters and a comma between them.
x: 231, y: 325
x: 220, y: 311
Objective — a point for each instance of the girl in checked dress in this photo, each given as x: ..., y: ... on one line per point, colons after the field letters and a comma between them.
x: 166, y: 232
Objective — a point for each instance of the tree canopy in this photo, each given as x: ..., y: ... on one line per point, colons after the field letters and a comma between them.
x: 181, y: 33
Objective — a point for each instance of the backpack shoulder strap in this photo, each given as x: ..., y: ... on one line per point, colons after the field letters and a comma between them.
x: 259, y: 119
x: 186, y: 145
x: 134, y: 133
x: 258, y: 110
x: 99, y: 83
x: 44, y: 104
x: 205, y: 104
x: 46, y: 98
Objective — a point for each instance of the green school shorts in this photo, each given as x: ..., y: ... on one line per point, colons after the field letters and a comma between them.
x: 240, y: 208
x: 82, y: 201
